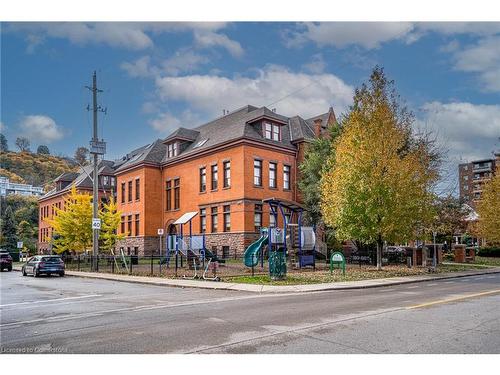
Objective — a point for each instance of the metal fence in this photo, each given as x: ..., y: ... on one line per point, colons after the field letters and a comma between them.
x: 189, y: 266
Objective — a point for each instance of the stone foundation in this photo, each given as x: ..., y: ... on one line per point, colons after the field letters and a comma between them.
x: 141, y: 245
x: 225, y: 244
x: 229, y: 244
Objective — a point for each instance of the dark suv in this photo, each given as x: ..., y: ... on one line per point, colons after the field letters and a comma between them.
x: 5, y: 261
x: 44, y: 264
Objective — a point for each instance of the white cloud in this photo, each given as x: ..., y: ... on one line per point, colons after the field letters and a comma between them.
x: 140, y: 67
x: 453, y: 28
x: 482, y: 57
x: 114, y: 34
x: 469, y: 131
x: 316, y: 65
x: 166, y: 122
x: 341, y: 34
x: 372, y: 34
x: 149, y: 107
x: 2, y: 127
x: 40, y: 129
x: 306, y: 94
x: 210, y: 39
x: 129, y: 35
x: 184, y: 60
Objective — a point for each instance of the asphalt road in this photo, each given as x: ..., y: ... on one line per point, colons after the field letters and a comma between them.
x: 77, y: 315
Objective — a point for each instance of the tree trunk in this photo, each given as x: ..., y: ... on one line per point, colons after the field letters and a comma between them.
x: 379, y: 252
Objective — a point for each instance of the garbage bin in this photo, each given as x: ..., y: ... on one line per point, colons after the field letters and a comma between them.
x: 134, y: 259
x: 277, y: 265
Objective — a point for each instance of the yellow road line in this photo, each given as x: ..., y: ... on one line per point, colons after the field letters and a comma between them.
x: 454, y: 299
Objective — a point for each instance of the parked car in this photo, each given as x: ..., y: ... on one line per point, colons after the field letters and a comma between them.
x: 44, y: 264
x: 5, y: 261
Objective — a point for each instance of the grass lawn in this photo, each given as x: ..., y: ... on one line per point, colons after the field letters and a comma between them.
x: 488, y: 261
x: 352, y: 274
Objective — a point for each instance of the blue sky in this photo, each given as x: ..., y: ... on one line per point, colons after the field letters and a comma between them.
x: 158, y: 76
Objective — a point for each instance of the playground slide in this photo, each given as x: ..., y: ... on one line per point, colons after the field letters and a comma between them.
x: 251, y: 258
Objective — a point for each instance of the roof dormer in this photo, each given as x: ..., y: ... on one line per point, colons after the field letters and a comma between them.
x: 179, y: 140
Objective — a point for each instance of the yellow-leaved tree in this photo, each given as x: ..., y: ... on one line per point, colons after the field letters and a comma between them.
x: 110, y: 220
x: 488, y: 209
x: 72, y: 224
x: 379, y: 186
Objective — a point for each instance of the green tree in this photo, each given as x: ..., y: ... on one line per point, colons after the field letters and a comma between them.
x: 488, y: 209
x: 73, y: 224
x: 4, y: 146
x: 318, y: 157
x: 25, y: 233
x: 9, y: 236
x: 110, y: 220
x: 43, y: 150
x: 378, y: 188
x: 449, y: 217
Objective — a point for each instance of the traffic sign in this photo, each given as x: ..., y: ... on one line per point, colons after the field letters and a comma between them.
x: 96, y: 223
x: 20, y: 244
x: 160, y: 232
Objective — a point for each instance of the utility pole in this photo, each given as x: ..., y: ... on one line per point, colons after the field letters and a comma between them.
x: 96, y: 148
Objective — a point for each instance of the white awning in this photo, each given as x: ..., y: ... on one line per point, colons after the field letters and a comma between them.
x: 186, y: 217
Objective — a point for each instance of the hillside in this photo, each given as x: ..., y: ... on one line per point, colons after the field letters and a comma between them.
x: 34, y: 169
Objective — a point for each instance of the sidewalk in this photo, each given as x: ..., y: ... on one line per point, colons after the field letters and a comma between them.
x: 185, y: 283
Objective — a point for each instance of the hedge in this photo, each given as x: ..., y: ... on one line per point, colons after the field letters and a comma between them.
x: 489, y: 252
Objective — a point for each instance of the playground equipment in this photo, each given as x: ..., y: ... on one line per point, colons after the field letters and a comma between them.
x: 192, y: 247
x: 252, y: 253
x: 293, y: 240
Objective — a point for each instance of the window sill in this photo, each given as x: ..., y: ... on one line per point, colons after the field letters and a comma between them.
x: 273, y: 188
x: 214, y: 190
x: 287, y: 190
x: 202, y: 192
x: 227, y: 187
x: 258, y: 187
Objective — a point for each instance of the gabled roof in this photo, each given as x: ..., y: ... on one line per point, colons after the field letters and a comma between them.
x: 300, y: 129
x: 324, y: 118
x: 233, y: 126
x: 151, y: 153
x: 81, y: 179
x: 182, y: 134
x: 67, y: 176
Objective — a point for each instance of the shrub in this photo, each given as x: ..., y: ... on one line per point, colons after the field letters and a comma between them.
x: 489, y: 252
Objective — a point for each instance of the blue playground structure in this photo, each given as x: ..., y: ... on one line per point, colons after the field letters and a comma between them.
x: 191, y: 247
x: 294, y: 240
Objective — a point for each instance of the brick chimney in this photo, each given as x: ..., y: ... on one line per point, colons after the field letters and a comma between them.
x: 317, y: 127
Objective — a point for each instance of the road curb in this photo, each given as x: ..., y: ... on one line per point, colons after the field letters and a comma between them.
x: 255, y: 288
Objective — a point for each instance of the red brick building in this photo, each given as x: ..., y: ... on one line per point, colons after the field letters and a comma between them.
x: 222, y: 170
x: 55, y: 198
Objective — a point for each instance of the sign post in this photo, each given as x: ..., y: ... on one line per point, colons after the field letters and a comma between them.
x: 160, y: 233
x: 434, y: 255
x: 337, y: 259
